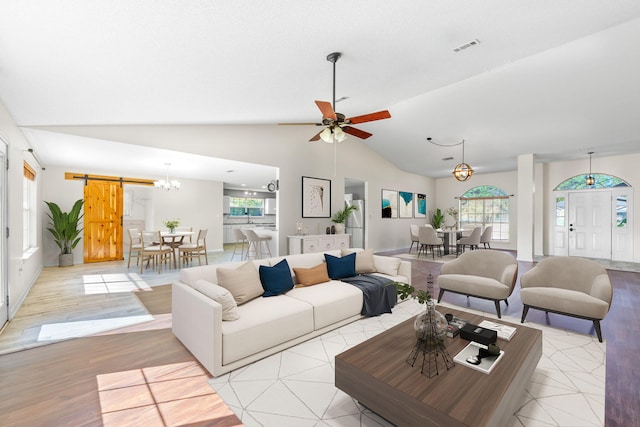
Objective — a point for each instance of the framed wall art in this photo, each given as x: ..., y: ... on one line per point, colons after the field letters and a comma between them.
x: 316, y: 197
x: 420, y: 205
x: 405, y: 204
x: 389, y: 204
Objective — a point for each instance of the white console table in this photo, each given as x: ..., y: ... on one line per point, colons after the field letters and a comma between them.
x: 318, y: 243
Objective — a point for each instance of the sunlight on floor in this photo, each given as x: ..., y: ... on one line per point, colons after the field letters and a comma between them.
x: 95, y: 284
x: 83, y: 328
x: 175, y: 394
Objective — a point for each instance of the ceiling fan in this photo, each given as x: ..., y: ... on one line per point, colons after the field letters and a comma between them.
x: 336, y: 124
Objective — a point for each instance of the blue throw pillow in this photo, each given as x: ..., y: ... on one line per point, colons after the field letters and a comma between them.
x: 339, y: 268
x: 276, y: 280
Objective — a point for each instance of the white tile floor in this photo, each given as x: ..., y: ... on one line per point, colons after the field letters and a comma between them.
x: 295, y: 387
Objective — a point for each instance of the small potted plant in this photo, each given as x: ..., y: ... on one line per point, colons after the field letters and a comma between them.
x: 171, y: 224
x: 340, y: 217
x: 437, y: 219
x: 65, y: 231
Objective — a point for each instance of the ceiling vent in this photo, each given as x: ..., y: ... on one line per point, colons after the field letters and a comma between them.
x: 467, y: 45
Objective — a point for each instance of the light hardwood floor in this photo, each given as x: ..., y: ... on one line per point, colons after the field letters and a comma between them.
x: 80, y: 381
x: 139, y: 374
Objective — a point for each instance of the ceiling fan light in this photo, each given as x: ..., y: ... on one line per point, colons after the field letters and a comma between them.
x: 327, y: 135
x: 339, y: 134
x: 462, y: 172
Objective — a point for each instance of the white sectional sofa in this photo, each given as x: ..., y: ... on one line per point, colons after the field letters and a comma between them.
x: 267, y: 325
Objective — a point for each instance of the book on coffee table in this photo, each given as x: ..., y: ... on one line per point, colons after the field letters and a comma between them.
x: 504, y: 332
x: 472, y: 349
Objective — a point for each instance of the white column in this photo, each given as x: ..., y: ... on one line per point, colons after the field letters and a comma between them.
x: 526, y: 213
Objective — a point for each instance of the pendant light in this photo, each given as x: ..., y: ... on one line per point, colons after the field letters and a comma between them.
x: 590, y: 179
x: 462, y: 171
x: 166, y: 184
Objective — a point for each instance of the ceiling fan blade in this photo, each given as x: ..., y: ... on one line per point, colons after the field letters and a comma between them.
x: 300, y: 124
x: 327, y: 110
x: 356, y: 132
x: 369, y: 117
x: 316, y: 137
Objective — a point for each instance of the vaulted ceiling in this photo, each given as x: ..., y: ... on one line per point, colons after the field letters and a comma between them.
x: 557, y: 79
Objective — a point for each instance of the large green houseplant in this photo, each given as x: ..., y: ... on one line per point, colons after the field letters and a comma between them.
x: 65, y: 230
x: 340, y: 217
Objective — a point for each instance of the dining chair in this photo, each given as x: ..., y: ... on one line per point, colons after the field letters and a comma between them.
x: 256, y: 242
x: 154, y: 253
x: 485, y: 239
x: 135, y: 245
x: 413, y: 231
x: 187, y: 251
x: 241, y: 240
x: 472, y: 241
x: 428, y: 239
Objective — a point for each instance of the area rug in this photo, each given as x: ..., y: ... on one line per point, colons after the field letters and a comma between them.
x: 157, y: 300
x: 414, y: 257
x: 296, y: 386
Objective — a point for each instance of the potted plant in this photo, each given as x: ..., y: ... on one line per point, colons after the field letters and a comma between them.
x: 65, y: 231
x: 437, y: 219
x: 171, y: 224
x: 340, y: 217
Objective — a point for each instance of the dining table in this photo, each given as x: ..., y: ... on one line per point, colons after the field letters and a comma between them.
x: 450, y: 237
x: 175, y: 239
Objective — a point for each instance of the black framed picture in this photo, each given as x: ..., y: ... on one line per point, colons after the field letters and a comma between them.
x: 316, y: 197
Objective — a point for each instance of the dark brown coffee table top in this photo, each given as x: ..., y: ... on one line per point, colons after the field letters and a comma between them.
x: 376, y: 374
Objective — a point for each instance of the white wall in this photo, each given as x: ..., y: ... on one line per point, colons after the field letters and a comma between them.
x: 287, y: 148
x: 22, y: 272
x: 625, y: 167
x: 449, y: 188
x: 198, y: 204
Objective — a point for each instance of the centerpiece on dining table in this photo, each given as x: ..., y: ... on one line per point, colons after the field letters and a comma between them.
x: 171, y: 224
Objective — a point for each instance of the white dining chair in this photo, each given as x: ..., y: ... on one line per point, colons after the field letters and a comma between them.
x: 187, y: 251
x: 154, y: 253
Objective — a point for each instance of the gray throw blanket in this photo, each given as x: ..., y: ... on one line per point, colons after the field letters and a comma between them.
x: 379, y: 295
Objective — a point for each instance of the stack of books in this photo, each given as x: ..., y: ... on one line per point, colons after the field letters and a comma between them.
x: 504, y: 332
x: 453, y: 329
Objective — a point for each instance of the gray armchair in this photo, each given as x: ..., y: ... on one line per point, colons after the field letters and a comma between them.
x: 571, y: 286
x: 483, y: 274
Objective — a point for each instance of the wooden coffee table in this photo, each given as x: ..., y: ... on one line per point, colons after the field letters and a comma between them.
x: 376, y: 374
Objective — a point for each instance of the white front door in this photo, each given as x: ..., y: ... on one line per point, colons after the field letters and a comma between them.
x: 590, y: 224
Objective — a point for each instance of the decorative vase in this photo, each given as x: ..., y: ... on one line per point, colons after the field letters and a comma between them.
x: 431, y: 325
x: 339, y: 228
x: 172, y: 230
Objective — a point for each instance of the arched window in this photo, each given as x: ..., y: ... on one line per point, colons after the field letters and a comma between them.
x: 579, y: 182
x: 486, y: 205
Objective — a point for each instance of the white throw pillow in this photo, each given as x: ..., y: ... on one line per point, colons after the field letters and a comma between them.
x: 243, y: 282
x: 364, y: 260
x: 221, y: 296
x: 386, y: 265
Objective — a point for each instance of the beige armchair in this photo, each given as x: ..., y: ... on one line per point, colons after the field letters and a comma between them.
x: 482, y: 274
x: 571, y: 286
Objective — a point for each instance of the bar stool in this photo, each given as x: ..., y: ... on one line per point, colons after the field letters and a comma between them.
x: 256, y: 241
x: 241, y: 239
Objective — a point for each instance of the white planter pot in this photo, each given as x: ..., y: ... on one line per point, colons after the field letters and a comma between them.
x: 339, y: 228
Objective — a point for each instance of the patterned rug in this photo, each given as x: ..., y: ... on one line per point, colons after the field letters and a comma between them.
x: 296, y: 386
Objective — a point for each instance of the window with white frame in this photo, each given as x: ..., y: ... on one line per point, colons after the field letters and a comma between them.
x: 29, y: 211
x: 486, y: 205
